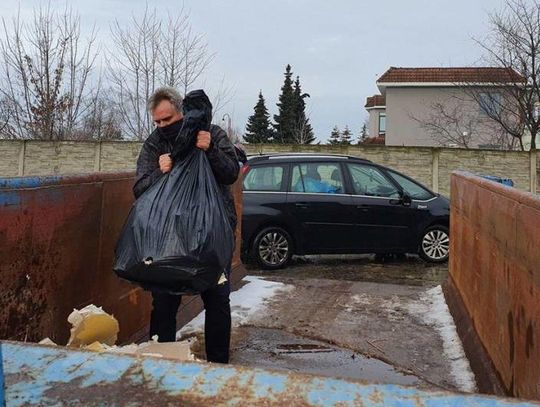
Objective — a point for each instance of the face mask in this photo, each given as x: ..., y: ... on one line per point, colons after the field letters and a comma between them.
x: 171, y: 131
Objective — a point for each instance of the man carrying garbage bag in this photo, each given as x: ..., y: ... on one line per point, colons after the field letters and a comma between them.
x: 185, y: 247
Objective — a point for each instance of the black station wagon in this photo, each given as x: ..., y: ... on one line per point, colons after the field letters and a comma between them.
x: 330, y: 204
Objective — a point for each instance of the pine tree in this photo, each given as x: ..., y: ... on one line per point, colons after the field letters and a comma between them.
x: 334, y: 136
x: 363, y: 134
x: 346, y: 136
x: 258, y: 125
x: 284, y: 121
x: 303, y: 132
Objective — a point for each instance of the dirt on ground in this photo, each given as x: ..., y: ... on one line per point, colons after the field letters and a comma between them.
x: 395, y: 269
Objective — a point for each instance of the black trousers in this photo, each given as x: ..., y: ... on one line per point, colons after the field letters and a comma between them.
x: 217, y: 323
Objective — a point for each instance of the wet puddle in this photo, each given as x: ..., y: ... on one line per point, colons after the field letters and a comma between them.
x: 276, y: 349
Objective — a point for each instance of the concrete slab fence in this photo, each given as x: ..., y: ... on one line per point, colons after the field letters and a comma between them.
x: 431, y: 166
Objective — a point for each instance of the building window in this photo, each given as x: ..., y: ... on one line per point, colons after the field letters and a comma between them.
x: 382, y: 124
x: 490, y: 103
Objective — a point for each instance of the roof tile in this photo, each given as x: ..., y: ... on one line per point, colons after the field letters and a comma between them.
x: 375, y: 100
x: 451, y: 75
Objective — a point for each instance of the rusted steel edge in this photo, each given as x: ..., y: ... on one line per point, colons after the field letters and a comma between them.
x: 29, y: 182
x: 523, y: 197
x: 487, y: 377
x: 42, y: 375
x: 2, y: 381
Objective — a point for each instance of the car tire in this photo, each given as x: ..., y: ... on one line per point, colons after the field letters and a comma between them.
x: 435, y: 244
x: 272, y: 248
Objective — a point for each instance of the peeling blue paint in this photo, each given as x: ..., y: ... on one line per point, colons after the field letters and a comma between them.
x: 214, y: 379
x: 98, y: 369
x: 28, y: 182
x: 267, y: 386
x: 32, y: 371
x: 10, y: 198
x: 179, y: 378
x: 331, y: 392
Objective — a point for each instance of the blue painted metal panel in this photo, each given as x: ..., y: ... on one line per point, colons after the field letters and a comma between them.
x: 39, y: 375
x: 28, y: 182
x: 9, y: 198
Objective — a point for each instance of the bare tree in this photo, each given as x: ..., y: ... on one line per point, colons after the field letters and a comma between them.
x: 134, y: 70
x: 456, y: 122
x: 221, y: 97
x: 171, y: 50
x: 45, y: 75
x: 195, y: 58
x: 103, y: 121
x: 514, y: 44
x: 7, y: 125
x: 151, y: 53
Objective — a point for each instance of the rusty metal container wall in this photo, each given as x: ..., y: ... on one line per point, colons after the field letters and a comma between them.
x: 495, y: 266
x: 57, y: 239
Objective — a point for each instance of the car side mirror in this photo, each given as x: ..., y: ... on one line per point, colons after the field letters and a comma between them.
x: 406, y: 200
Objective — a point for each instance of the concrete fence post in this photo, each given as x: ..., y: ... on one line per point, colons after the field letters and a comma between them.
x: 533, y: 158
x: 22, y: 154
x: 435, y: 153
x: 97, y: 156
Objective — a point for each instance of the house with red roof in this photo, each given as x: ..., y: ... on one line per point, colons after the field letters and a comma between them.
x: 440, y: 106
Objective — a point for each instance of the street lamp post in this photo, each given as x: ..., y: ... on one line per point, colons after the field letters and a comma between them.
x: 229, y: 129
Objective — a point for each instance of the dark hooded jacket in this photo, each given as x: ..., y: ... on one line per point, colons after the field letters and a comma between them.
x: 221, y: 156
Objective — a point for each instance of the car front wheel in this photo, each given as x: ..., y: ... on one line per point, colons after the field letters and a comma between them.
x: 435, y: 244
x: 272, y: 248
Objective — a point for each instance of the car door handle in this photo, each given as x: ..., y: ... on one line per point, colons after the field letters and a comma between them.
x: 363, y: 208
x: 301, y: 205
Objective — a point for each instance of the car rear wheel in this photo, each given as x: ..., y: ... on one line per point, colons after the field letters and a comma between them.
x: 435, y: 244
x: 272, y: 248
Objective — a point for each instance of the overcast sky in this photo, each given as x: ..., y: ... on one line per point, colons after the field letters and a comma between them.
x: 338, y: 47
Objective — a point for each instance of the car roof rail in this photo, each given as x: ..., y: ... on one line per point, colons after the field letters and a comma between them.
x: 275, y: 156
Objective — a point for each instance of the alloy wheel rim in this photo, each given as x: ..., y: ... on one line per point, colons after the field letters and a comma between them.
x: 274, y: 248
x: 436, y: 244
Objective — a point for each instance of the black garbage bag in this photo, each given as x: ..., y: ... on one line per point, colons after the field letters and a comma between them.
x: 177, y: 237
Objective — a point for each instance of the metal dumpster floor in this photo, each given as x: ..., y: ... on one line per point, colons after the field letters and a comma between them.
x: 387, y: 322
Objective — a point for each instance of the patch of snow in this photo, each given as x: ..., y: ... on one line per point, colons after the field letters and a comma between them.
x: 246, y: 302
x: 432, y: 309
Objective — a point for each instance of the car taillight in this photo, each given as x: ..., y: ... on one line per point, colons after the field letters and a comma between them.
x: 244, y: 169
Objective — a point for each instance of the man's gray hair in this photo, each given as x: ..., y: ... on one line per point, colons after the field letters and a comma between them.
x: 165, y: 93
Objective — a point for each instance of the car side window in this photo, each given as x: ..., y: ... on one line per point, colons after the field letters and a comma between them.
x: 370, y: 181
x: 315, y: 177
x: 412, y: 189
x: 264, y: 178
